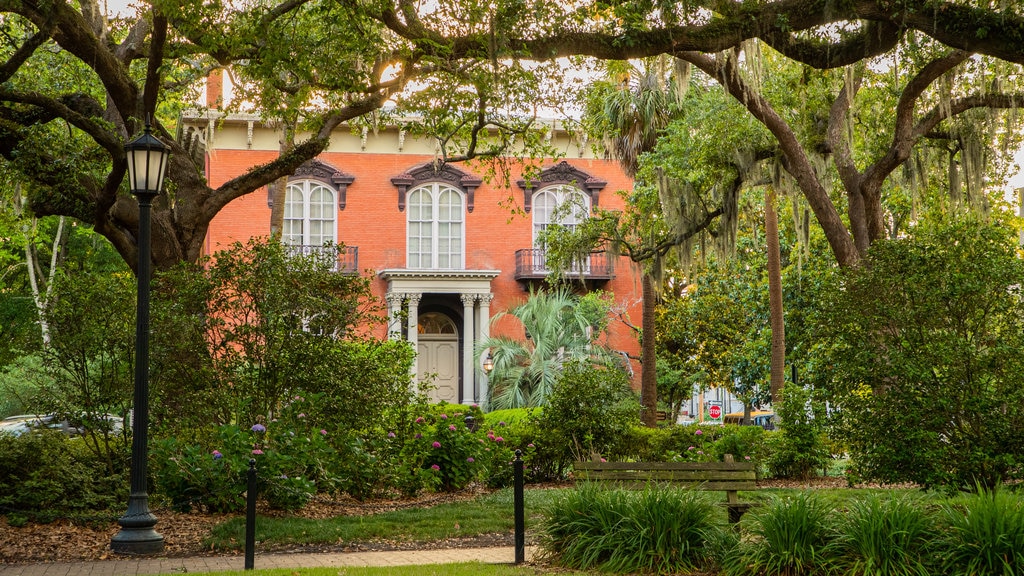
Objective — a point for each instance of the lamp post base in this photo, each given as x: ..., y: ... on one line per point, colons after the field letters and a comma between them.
x: 137, y: 541
x: 137, y: 536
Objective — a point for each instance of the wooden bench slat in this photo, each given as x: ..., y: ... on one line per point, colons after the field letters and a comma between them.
x: 669, y: 475
x: 589, y: 465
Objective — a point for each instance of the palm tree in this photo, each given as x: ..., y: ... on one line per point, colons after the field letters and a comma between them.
x: 637, y: 115
x: 557, y: 329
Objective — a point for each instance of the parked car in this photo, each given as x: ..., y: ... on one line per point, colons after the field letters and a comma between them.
x: 762, y: 418
x: 22, y: 423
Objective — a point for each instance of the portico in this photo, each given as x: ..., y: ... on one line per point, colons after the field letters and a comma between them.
x: 443, y: 310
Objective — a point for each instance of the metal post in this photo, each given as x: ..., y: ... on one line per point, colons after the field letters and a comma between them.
x: 250, y: 516
x: 519, y: 508
x: 137, y: 535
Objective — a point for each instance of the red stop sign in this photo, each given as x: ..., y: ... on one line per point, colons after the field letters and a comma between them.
x: 715, y: 411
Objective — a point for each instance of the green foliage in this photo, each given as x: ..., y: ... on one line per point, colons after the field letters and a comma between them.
x: 918, y: 354
x: 798, y: 449
x: 790, y: 537
x: 589, y: 411
x: 886, y: 536
x: 557, y: 330
x: 983, y: 533
x: 660, y: 530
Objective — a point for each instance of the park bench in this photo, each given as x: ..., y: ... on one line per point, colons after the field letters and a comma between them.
x: 728, y: 476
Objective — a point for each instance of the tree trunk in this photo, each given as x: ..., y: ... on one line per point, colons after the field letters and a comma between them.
x: 648, y: 373
x: 778, y: 349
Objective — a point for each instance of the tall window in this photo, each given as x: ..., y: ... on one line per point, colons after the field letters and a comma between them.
x: 309, y: 214
x: 435, y: 237
x: 561, y: 205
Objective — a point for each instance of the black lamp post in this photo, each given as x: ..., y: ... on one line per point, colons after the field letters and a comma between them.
x: 147, y: 165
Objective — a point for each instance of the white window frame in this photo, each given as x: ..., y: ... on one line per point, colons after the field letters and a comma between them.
x: 434, y: 223
x: 543, y: 216
x: 306, y: 188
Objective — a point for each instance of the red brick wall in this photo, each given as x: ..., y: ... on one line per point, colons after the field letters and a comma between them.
x: 372, y: 222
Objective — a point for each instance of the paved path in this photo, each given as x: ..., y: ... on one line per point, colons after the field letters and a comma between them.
x: 131, y: 567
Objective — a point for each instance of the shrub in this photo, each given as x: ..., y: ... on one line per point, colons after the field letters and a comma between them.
x: 590, y: 410
x: 885, y: 537
x: 790, y: 538
x: 798, y: 449
x: 663, y: 530
x: 984, y: 534
x: 45, y: 476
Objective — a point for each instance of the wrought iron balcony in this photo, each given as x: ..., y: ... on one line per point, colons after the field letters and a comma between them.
x: 531, y: 264
x: 348, y: 256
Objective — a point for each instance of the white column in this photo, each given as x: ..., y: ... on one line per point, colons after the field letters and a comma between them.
x: 485, y: 331
x: 468, y: 340
x: 394, y: 300
x: 414, y: 317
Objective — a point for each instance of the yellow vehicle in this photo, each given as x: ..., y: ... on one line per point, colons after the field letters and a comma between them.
x: 762, y: 418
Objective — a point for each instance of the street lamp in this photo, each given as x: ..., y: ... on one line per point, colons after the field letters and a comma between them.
x: 488, y: 363
x: 147, y: 165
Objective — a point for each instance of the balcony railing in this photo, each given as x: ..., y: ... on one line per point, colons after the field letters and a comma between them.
x: 531, y: 264
x: 348, y: 256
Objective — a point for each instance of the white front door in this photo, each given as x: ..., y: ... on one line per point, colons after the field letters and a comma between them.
x: 438, y: 357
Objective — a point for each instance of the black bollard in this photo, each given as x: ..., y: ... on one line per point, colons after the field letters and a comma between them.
x: 519, y: 508
x: 250, y: 517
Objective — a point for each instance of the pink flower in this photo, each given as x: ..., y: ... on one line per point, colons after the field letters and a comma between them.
x: 436, y: 444
x: 419, y: 420
x: 391, y: 434
x: 530, y: 445
x: 603, y: 460
x: 746, y: 457
x: 435, y: 467
x: 444, y: 416
x: 698, y: 432
x: 302, y: 414
x: 257, y: 452
x: 324, y: 432
x: 499, y: 439
x: 217, y: 455
x: 451, y: 427
x: 691, y: 448
x: 470, y: 460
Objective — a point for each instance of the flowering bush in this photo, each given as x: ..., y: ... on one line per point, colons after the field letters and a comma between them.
x: 442, y: 452
x: 291, y: 457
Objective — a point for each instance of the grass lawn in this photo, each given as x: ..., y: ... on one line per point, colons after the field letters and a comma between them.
x: 488, y: 514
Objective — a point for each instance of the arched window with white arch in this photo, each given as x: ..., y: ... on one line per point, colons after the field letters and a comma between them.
x: 435, y: 238
x: 310, y: 212
x: 560, y: 205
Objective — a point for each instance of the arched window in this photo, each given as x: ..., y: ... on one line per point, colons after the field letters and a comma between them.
x: 436, y: 323
x: 561, y: 205
x: 435, y: 234
x: 309, y: 214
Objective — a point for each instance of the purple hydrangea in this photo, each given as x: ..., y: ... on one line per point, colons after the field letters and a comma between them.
x: 435, y: 467
x: 324, y: 432
x: 470, y: 460
x: 258, y: 428
x: 698, y: 432
x: 217, y: 455
x: 451, y: 427
x: 436, y: 444
x: 444, y: 416
x: 391, y: 434
x: 419, y: 420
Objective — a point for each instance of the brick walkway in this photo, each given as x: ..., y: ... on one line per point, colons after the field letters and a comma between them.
x: 131, y: 567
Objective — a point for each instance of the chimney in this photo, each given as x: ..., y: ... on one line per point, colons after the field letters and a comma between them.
x: 215, y: 89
